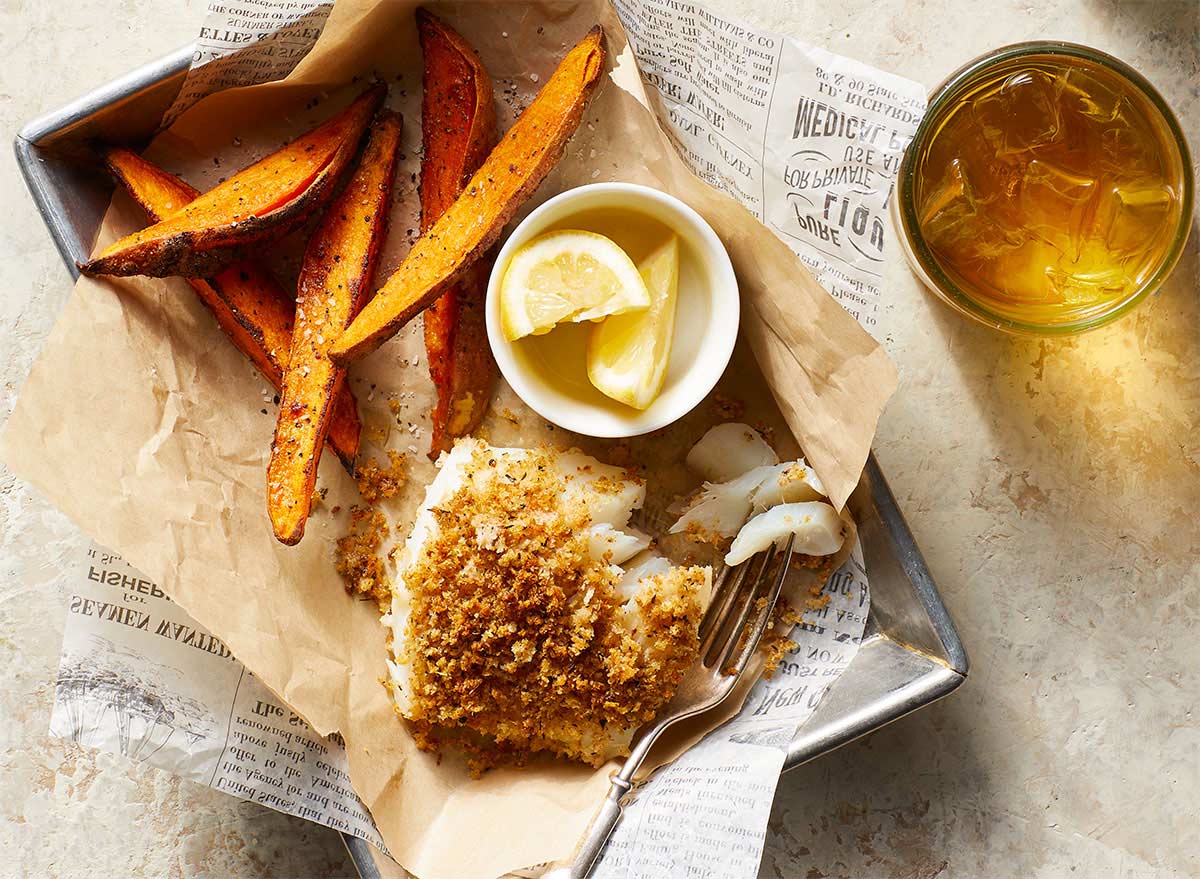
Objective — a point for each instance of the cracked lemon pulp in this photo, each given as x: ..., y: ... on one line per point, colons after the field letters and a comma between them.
x: 567, y: 275
x: 627, y: 353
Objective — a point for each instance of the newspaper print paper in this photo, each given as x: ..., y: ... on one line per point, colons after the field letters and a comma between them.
x: 809, y: 142
x: 245, y: 42
x: 139, y: 677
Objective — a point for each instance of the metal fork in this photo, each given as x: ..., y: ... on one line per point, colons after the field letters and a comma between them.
x: 735, y: 620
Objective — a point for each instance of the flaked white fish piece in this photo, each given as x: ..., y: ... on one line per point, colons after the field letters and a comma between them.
x: 607, y: 493
x: 722, y: 508
x: 615, y: 546
x: 645, y: 564
x: 818, y: 530
x: 788, y: 483
x: 729, y: 450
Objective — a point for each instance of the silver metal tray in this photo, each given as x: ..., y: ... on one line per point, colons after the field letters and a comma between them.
x: 911, y: 654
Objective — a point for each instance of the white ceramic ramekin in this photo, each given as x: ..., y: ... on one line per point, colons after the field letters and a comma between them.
x: 706, y: 321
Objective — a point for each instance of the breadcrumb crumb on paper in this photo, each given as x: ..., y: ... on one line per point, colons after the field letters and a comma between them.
x: 357, y: 556
x: 376, y: 483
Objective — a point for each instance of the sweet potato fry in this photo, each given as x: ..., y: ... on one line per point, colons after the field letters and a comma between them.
x: 334, y: 278
x: 512, y: 171
x: 245, y: 299
x: 254, y: 207
x: 458, y: 129
x: 464, y: 387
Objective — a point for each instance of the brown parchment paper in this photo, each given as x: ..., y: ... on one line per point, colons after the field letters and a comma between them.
x: 149, y: 430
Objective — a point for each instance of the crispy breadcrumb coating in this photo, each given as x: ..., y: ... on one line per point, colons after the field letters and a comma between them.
x: 727, y: 408
x: 357, y: 557
x: 376, y: 483
x: 821, y: 566
x: 518, y: 640
x: 776, y: 643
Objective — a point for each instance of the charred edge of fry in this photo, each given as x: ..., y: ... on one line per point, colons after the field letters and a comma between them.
x: 345, y: 428
x: 137, y: 175
x: 311, y: 382
x: 201, y: 252
x: 248, y: 342
x: 382, y: 318
x: 190, y: 255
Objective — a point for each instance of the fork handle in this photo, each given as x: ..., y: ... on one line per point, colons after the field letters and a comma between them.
x: 609, y: 813
x: 598, y: 832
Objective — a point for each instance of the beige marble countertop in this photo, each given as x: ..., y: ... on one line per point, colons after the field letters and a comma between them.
x: 1053, y: 486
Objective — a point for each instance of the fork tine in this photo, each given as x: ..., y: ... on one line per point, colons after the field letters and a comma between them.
x: 733, y: 619
x: 727, y: 585
x: 763, y: 617
x: 735, y: 626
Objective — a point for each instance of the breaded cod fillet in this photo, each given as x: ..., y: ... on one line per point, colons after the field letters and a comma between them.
x: 527, y: 616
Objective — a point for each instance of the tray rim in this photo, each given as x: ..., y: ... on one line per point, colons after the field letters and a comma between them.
x: 944, y: 674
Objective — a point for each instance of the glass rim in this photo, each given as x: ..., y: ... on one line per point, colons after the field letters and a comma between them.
x: 947, y: 90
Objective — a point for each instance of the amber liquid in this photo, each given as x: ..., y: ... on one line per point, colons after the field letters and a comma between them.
x: 1050, y: 192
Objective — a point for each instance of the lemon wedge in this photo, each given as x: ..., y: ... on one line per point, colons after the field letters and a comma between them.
x: 567, y: 275
x: 627, y: 353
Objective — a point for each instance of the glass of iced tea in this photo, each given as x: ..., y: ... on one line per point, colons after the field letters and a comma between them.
x: 1048, y: 189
